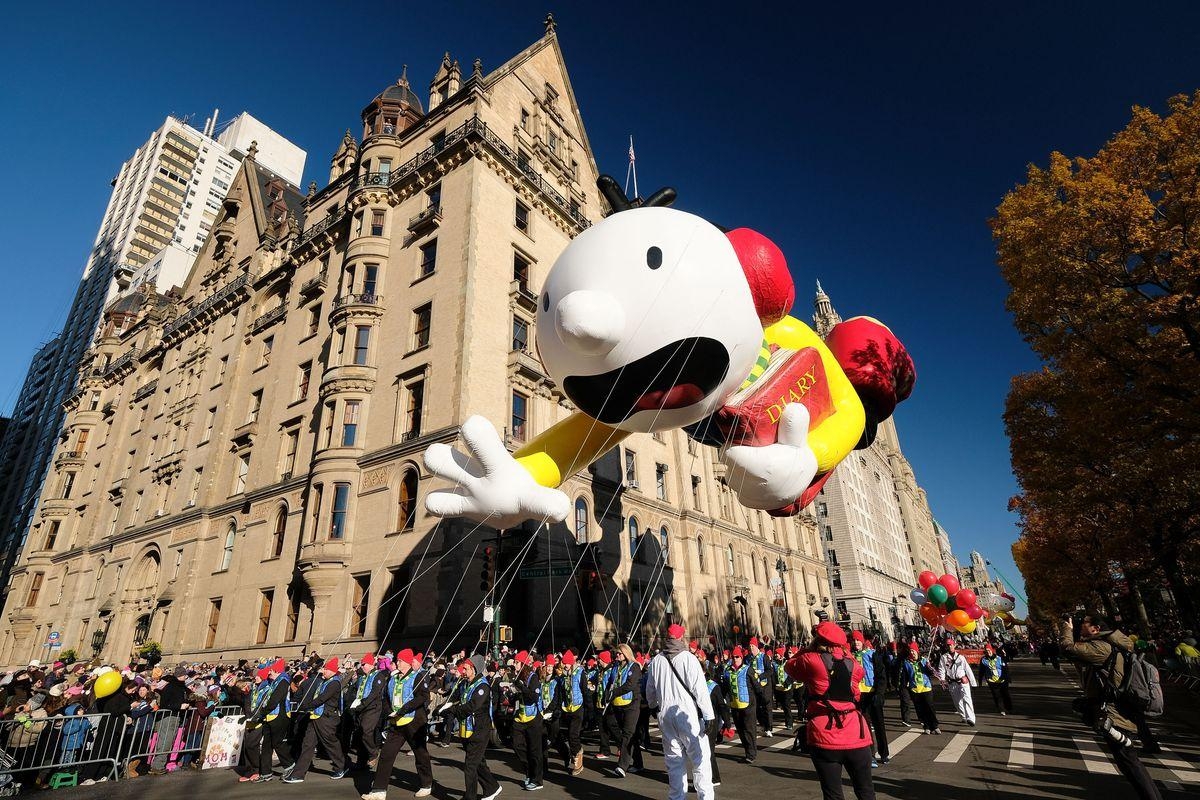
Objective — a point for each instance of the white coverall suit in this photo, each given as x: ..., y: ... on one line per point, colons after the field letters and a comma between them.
x: 952, y: 670
x: 684, y: 731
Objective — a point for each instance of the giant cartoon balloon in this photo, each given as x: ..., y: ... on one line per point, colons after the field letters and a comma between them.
x: 655, y: 319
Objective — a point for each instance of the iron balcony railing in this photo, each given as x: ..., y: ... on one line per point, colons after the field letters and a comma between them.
x: 271, y: 317
x: 357, y: 299
x: 222, y: 294
x: 322, y: 226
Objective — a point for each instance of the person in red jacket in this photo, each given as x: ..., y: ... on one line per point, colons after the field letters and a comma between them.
x: 838, y: 734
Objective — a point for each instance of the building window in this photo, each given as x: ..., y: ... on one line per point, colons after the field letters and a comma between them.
x: 660, y: 481
x: 696, y: 492
x: 362, y: 341
x: 337, y: 519
x: 377, y: 223
x: 730, y: 564
x: 520, y: 335
x: 315, y: 511
x: 264, y: 616
x: 314, y: 319
x: 370, y: 280
x: 279, y: 534
x: 581, y: 521
x: 416, y: 409
x: 701, y: 562
x: 327, y: 425
x: 421, y: 321
x: 222, y: 366
x: 350, y: 423
x: 829, y: 533
x: 435, y: 197
x: 52, y: 535
x: 520, y: 415
x: 522, y: 217
x: 293, y: 614
x: 255, y: 406
x: 291, y: 443
x: 428, y: 258
x: 521, y: 271
x: 524, y: 120
x: 214, y: 619
x: 634, y: 539
x: 210, y: 420
x: 81, y: 442
x: 823, y: 509
x: 552, y: 141
x: 68, y: 485
x: 385, y: 168
x: 833, y: 558
x: 227, y: 553
x: 408, y: 501
x: 630, y: 468
x: 664, y: 541
x: 268, y: 346
x: 243, y: 469
x: 304, y: 379
x: 358, y: 606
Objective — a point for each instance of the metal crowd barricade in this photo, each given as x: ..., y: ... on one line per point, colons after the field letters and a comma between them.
x: 34, y: 746
x: 168, y: 740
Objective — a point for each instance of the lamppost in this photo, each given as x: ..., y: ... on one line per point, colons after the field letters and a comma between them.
x: 782, y: 569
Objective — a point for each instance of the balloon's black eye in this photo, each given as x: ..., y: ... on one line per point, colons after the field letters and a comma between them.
x: 545, y: 301
x: 654, y: 258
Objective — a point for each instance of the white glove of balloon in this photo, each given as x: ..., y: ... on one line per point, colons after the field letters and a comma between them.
x: 493, y: 488
x: 775, y: 475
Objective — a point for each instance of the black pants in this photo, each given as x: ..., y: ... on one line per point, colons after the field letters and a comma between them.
x: 324, y: 729
x: 871, y: 706
x: 527, y: 744
x: 783, y: 697
x: 925, y: 712
x: 605, y: 724
x: 1000, y: 696
x: 1133, y: 769
x: 801, y: 703
x: 764, y: 699
x: 415, y: 736
x: 641, y: 737
x: 570, y: 728
x: 475, y: 769
x: 1149, y: 740
x: 550, y: 730
x: 906, y: 704
x: 367, y: 725
x: 714, y: 739
x: 251, y: 752
x: 623, y: 722
x: 829, y: 763
x: 274, y: 739
x: 743, y: 720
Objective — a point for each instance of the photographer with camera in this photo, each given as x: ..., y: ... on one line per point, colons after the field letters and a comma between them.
x: 1090, y: 641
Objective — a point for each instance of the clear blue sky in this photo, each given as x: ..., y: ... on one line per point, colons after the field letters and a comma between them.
x: 871, y: 144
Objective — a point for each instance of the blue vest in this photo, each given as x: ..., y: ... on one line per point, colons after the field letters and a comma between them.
x: 915, y: 677
x: 466, y: 726
x: 402, y: 691
x: 573, y: 690
x: 866, y: 659
x: 738, y: 681
x: 529, y: 711
x: 365, y: 683
x: 320, y: 710
x: 620, y: 676
x: 995, y: 669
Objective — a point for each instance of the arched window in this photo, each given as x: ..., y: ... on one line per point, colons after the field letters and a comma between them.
x: 753, y: 569
x: 280, y: 533
x: 227, y: 556
x: 145, y: 580
x: 633, y: 538
x: 700, y: 554
x: 730, y: 566
x: 581, y: 521
x: 408, y: 501
x: 766, y: 572
x: 665, y: 542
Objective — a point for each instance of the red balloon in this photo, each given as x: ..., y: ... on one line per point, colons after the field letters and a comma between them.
x: 931, y: 614
x: 986, y: 613
x: 951, y: 584
x: 965, y: 598
x: 926, y: 579
x: 974, y: 612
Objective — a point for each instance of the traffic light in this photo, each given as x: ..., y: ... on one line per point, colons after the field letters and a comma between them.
x: 487, y: 572
x: 505, y: 633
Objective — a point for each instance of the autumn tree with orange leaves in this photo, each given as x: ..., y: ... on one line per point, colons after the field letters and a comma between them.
x: 1102, y: 257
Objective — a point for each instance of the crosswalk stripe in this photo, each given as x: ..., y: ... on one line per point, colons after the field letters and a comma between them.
x: 902, y: 741
x: 953, y: 751
x: 779, y: 745
x: 1021, y: 754
x: 1095, y: 759
x: 1180, y: 768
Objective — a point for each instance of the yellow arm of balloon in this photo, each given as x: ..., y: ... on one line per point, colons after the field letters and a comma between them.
x: 835, y: 438
x: 559, y: 452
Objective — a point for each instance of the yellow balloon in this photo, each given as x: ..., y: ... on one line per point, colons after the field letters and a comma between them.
x: 107, y: 684
x: 968, y: 628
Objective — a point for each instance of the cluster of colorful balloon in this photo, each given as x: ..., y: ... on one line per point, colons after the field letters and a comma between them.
x: 943, y: 602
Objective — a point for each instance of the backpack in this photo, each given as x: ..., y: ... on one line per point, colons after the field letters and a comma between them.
x: 1140, y: 690
x: 840, y: 672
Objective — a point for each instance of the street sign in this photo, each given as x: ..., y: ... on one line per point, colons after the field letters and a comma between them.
x: 54, y: 636
x: 531, y: 573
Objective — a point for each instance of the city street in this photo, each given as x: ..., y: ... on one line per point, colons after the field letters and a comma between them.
x: 1041, y: 751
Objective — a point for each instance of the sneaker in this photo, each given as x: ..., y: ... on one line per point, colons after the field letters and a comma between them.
x: 926, y: 731
x: 290, y: 779
x: 1004, y: 713
x: 337, y: 776
x: 494, y: 794
x: 248, y: 778
x: 88, y: 782
x: 532, y: 787
x: 971, y: 722
x: 378, y: 794
x: 602, y: 756
x: 937, y: 731
x: 264, y: 778
x: 424, y: 791
x: 747, y: 760
x: 769, y: 733
x: 287, y: 772
x: 874, y: 764
x: 906, y: 724
x: 620, y: 773
x: 716, y: 783
x: 887, y: 760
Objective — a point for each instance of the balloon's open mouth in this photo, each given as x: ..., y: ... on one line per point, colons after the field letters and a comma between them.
x: 676, y: 376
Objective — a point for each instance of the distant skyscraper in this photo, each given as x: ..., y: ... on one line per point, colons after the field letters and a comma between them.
x: 163, y: 204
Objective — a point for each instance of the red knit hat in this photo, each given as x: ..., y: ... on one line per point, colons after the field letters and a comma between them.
x: 279, y: 666
x: 605, y: 657
x: 523, y: 657
x: 551, y: 660
x: 331, y: 664
x: 831, y: 633
x: 406, y: 655
x: 913, y: 646
x: 738, y: 652
x: 693, y: 645
x: 591, y: 662
x: 369, y: 659
x: 568, y: 659
x: 676, y: 631
x: 754, y: 641
x: 857, y: 636
x: 263, y: 674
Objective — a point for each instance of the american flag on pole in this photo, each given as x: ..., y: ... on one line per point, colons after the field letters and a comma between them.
x: 632, y: 157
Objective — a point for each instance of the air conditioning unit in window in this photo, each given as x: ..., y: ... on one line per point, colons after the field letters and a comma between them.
x: 632, y: 485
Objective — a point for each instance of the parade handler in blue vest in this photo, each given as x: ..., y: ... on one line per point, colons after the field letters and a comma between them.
x: 407, y: 723
x: 527, y: 721
x: 471, y: 705
x: 367, y: 708
x: 324, y: 709
x: 675, y: 684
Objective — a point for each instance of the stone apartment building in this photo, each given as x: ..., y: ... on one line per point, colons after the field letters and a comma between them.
x: 240, y: 471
